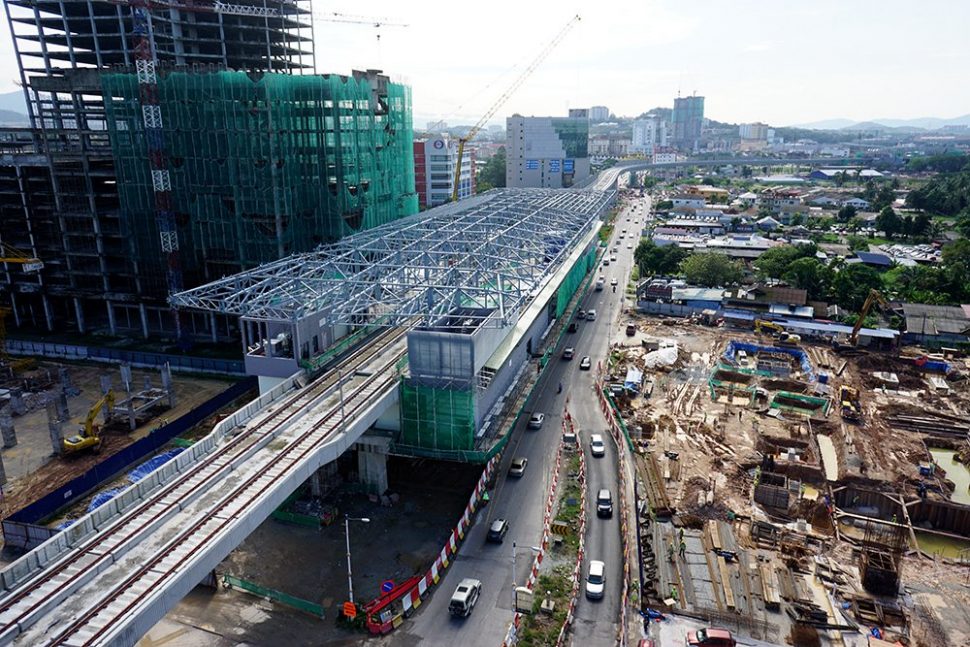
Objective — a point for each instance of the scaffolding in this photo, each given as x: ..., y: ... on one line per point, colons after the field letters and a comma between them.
x: 438, y: 419
x: 486, y: 258
x: 262, y: 165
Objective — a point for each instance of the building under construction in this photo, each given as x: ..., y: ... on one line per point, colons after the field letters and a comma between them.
x: 173, y: 142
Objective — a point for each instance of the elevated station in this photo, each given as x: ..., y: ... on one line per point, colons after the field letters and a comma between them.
x: 477, y: 284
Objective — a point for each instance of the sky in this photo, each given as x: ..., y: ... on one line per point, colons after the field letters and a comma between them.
x: 782, y: 62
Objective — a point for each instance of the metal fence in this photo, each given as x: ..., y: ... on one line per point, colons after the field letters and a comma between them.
x: 185, y: 363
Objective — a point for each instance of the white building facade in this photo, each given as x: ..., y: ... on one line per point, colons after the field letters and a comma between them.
x: 546, y: 152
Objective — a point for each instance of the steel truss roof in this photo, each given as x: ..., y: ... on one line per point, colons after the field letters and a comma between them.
x: 489, y: 253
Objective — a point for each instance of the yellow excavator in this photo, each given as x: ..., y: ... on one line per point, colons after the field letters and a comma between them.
x: 88, y: 435
x: 784, y: 337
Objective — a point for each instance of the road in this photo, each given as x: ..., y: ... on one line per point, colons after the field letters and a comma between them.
x: 596, y: 621
x: 521, y: 500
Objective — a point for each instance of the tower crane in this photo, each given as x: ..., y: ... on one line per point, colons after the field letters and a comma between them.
x: 526, y: 73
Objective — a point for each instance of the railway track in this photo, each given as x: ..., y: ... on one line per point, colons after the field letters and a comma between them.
x: 23, y: 605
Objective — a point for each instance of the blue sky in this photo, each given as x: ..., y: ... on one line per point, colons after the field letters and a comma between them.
x: 781, y: 61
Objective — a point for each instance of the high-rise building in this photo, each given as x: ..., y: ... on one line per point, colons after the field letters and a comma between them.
x: 755, y: 131
x: 108, y: 190
x: 599, y: 114
x: 688, y: 120
x: 647, y: 136
x: 434, y: 171
x: 549, y: 152
x: 579, y: 113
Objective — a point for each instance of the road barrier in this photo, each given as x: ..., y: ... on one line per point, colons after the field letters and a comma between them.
x: 622, y: 439
x: 578, y: 568
x: 387, y: 612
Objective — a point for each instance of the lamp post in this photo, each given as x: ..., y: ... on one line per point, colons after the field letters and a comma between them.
x: 534, y: 549
x: 350, y: 577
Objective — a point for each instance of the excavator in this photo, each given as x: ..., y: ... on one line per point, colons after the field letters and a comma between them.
x: 88, y: 435
x: 850, y: 348
x: 849, y: 400
x: 784, y: 337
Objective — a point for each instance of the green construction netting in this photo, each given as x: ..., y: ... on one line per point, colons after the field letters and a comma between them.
x: 573, y: 280
x: 262, y: 165
x: 437, y: 419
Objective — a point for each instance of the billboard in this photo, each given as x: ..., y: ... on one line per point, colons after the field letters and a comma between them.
x: 532, y: 165
x: 554, y: 166
x: 568, y: 166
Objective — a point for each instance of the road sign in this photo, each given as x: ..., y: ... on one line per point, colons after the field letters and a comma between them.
x: 350, y: 609
x: 387, y: 586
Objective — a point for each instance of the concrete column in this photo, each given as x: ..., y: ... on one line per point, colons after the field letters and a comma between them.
x: 167, y: 384
x: 112, y: 324
x: 79, y: 312
x: 48, y: 315
x: 372, y: 468
x: 213, y: 335
x: 143, y: 312
x: 7, y: 431
x: 67, y: 386
x: 316, y: 489
x: 17, y: 406
x: 54, y: 427
x: 105, y: 383
x: 3, y: 473
x: 61, y: 402
x: 14, y: 310
x: 148, y: 383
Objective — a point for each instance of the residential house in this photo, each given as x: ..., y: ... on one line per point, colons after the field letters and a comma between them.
x: 688, y: 200
x: 741, y: 246
x: 774, y: 199
x: 711, y: 193
x: 788, y: 212
x: 767, y: 224
x: 936, y: 325
x: 858, y: 203
x: 872, y: 259
x: 700, y: 298
x: 747, y: 199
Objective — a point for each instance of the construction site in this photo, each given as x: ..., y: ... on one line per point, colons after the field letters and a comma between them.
x: 799, y: 492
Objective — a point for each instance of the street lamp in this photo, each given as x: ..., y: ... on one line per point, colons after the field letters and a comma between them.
x: 350, y: 577
x: 534, y: 549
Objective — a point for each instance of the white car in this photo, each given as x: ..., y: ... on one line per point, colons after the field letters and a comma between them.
x: 595, y: 580
x: 517, y: 468
x: 629, y: 246
x: 613, y: 281
x: 535, y: 422
x: 613, y: 258
x: 596, y: 446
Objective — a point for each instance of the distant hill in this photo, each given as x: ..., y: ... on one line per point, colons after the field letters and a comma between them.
x: 11, y: 118
x: 14, y: 102
x: 904, y: 125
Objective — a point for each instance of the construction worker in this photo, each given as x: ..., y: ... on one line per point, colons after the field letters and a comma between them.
x: 681, y: 535
x: 683, y: 549
x: 670, y: 552
x: 485, y: 498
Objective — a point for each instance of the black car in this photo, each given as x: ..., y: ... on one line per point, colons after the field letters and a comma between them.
x: 604, y: 503
x: 497, y: 531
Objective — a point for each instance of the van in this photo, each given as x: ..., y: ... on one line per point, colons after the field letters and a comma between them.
x: 591, y: 315
x: 464, y: 598
x: 600, y: 282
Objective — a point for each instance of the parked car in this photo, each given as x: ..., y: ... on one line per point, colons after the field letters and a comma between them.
x: 535, y: 422
x: 631, y: 330
x: 585, y: 363
x: 464, y: 598
x: 596, y: 446
x: 595, y: 580
x: 517, y: 468
x: 604, y: 503
x: 568, y: 352
x: 710, y: 638
x: 497, y: 531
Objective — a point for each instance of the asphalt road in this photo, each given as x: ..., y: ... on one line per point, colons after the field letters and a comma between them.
x: 521, y: 500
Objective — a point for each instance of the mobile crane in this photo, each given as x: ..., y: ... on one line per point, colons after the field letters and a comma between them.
x: 850, y: 348
x: 88, y: 436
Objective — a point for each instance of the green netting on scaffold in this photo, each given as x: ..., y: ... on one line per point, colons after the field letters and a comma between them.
x: 437, y: 419
x: 261, y: 165
x: 573, y: 280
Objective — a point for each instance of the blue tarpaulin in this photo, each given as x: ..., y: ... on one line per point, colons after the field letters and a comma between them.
x: 103, y: 497
x: 153, y: 464
x: 634, y: 378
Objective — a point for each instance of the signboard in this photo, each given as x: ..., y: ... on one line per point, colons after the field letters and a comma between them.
x: 438, y: 143
x: 387, y: 586
x: 554, y: 166
x: 532, y: 165
x: 568, y: 166
x: 350, y: 610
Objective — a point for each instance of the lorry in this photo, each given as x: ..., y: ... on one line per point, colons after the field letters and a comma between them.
x: 849, y: 401
x: 600, y: 282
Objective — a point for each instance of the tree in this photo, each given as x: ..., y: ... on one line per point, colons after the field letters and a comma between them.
x: 963, y: 223
x: 846, y: 213
x: 918, y: 284
x: 797, y: 219
x: 710, y: 269
x: 884, y: 197
x: 956, y: 268
x: 652, y: 259
x: 773, y: 263
x: 922, y: 225
x: 852, y: 283
x: 889, y: 222
x: 492, y: 175
x: 858, y: 243
x: 808, y: 273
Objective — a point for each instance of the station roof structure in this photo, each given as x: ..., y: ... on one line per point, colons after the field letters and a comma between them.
x: 490, y: 253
